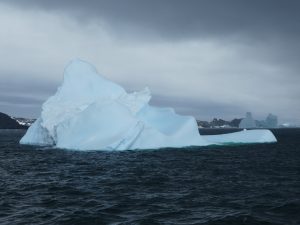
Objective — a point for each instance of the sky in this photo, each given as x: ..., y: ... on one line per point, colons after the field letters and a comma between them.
x: 208, y: 58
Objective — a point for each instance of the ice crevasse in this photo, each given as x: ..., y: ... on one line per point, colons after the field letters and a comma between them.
x: 89, y: 112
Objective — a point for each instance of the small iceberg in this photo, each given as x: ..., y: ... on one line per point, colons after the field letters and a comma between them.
x: 89, y: 112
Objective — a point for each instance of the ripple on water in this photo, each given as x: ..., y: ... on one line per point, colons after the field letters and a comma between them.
x: 247, y: 184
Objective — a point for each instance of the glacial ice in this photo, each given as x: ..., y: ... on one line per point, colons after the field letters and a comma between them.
x: 245, y: 136
x: 89, y: 112
x: 247, y: 122
x: 271, y: 121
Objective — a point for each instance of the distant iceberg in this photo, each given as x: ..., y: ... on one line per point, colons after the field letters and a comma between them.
x: 247, y: 122
x: 89, y: 112
x: 271, y: 121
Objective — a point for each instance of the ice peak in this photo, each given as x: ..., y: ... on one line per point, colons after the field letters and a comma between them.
x: 79, y: 69
x: 81, y: 80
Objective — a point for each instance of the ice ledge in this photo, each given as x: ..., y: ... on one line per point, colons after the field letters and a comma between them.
x: 245, y: 136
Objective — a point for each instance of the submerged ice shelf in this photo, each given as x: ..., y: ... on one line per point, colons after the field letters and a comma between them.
x: 89, y: 112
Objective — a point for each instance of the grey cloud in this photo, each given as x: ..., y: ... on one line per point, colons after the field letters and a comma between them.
x: 185, y: 19
x: 20, y: 100
x: 28, y: 111
x: 22, y: 86
x: 253, y: 61
x: 270, y: 27
x: 24, y: 97
x: 200, y: 108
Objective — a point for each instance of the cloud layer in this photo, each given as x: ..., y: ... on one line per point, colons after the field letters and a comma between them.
x: 205, y: 58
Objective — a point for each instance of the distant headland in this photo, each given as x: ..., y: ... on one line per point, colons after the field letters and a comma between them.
x: 8, y: 122
x: 248, y: 121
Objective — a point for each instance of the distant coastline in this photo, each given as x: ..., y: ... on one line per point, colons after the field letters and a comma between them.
x: 9, y: 122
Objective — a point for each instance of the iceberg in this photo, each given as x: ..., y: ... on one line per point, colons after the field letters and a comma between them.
x: 248, y: 122
x: 90, y: 112
x: 271, y: 121
x: 243, y: 137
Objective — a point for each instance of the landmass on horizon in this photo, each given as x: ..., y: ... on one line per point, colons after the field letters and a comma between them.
x: 214, y: 123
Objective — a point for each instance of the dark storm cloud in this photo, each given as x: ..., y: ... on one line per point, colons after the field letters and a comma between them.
x: 204, y: 57
x: 270, y: 26
x: 185, y: 19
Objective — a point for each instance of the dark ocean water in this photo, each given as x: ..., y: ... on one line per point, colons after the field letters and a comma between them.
x: 246, y: 184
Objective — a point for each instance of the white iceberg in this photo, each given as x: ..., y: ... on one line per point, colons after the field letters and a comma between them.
x: 245, y: 136
x: 89, y: 112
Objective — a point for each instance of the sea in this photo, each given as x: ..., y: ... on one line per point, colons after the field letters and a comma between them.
x: 215, y: 185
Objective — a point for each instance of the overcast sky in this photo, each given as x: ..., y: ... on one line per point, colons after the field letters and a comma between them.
x: 205, y: 58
